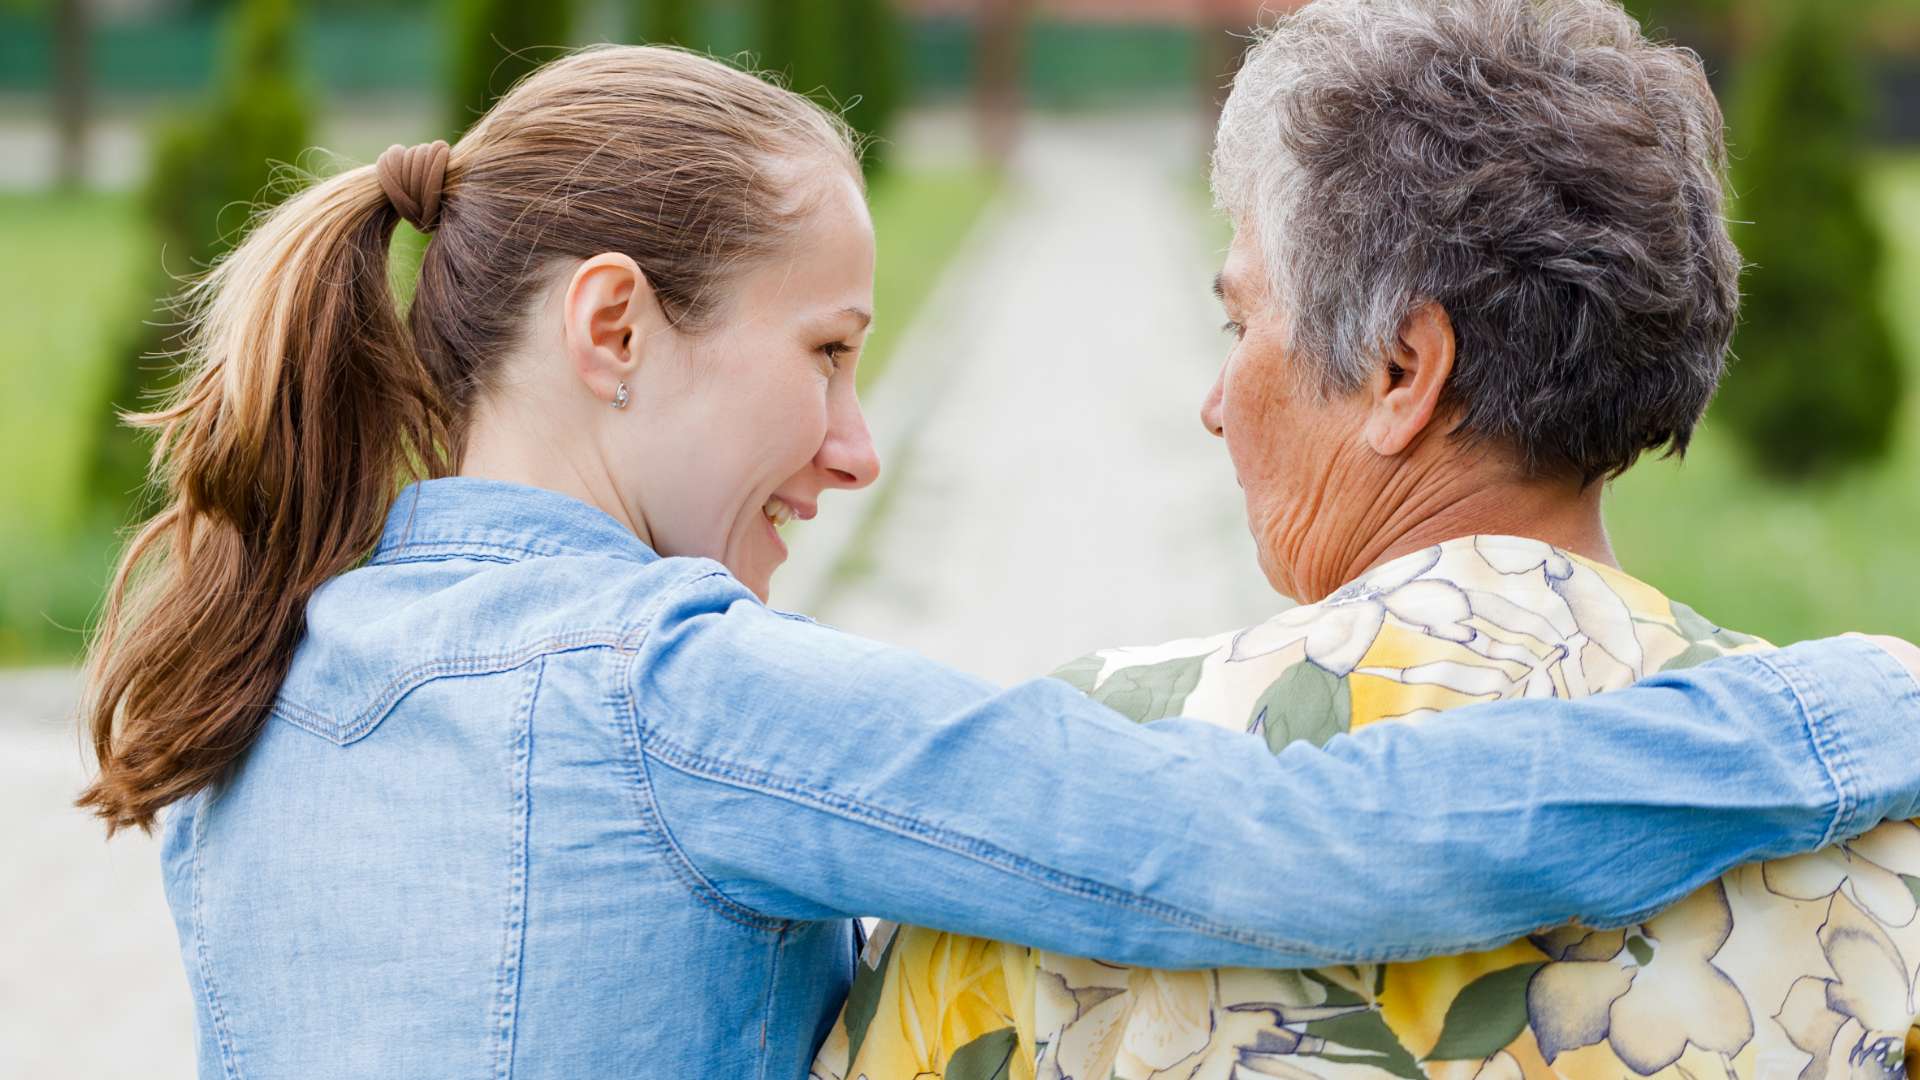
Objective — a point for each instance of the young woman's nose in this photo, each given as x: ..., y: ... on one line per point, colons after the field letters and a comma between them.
x: 849, y: 455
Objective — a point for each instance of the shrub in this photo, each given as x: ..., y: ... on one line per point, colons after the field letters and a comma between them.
x: 211, y: 171
x: 665, y: 22
x: 494, y: 44
x: 1815, y: 383
x: 846, y: 52
x: 872, y: 67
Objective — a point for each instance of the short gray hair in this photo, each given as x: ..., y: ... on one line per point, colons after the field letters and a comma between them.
x: 1538, y: 168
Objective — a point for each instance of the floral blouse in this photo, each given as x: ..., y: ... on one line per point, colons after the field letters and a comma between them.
x: 1801, y: 969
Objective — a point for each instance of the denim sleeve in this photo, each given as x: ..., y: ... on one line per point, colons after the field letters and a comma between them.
x: 804, y: 773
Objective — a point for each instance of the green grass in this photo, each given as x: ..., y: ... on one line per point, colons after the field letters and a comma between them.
x: 1788, y: 563
x: 70, y: 274
x: 919, y: 220
x: 71, y: 268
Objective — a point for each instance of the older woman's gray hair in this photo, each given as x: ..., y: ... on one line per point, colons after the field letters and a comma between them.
x: 1538, y: 168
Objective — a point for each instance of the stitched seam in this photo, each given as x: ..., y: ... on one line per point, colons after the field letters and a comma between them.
x: 646, y: 808
x: 513, y: 948
x: 413, y: 678
x: 696, y: 765
x: 1833, y: 757
x: 403, y: 556
x: 766, y: 1000
x: 216, y: 1012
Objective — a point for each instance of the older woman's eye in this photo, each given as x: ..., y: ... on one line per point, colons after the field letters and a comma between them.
x: 1234, y: 328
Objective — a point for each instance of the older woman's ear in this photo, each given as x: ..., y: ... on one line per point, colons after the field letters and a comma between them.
x: 1404, y: 394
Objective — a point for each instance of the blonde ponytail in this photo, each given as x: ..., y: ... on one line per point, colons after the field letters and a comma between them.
x: 303, y: 405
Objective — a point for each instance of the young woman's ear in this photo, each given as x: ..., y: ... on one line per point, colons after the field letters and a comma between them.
x: 608, y: 314
x: 1405, y: 393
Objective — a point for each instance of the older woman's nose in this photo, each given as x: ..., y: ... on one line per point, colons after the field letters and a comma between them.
x: 1210, y: 408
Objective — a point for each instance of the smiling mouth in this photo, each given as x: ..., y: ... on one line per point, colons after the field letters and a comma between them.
x: 777, y: 511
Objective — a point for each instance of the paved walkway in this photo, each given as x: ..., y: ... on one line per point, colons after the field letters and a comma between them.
x: 1059, y: 494
x: 90, y: 976
x: 1051, y: 491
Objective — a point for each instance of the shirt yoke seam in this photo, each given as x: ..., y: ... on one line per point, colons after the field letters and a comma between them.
x: 646, y: 807
x: 411, y: 679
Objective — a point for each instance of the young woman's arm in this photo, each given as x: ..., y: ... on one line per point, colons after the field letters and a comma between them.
x: 805, y: 773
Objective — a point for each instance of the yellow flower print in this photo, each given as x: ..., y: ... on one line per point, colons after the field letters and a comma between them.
x: 1651, y: 997
x: 1339, y: 630
x: 1869, y: 998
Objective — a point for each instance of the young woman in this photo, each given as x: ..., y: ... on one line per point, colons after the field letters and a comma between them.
x: 511, y: 772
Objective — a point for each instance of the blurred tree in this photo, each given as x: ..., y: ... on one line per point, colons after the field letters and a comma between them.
x: 211, y: 170
x: 1816, y: 383
x: 1000, y: 61
x: 1656, y: 15
x: 871, y: 74
x: 845, y: 51
x: 800, y: 39
x: 665, y: 22
x: 70, y: 83
x: 71, y: 28
x: 496, y: 43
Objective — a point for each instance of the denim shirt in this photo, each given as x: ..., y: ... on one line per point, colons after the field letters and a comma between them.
x: 536, y: 802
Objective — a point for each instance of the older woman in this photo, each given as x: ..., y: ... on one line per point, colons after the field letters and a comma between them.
x: 1479, y: 268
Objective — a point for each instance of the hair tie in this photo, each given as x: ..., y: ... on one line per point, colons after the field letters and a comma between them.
x: 412, y: 177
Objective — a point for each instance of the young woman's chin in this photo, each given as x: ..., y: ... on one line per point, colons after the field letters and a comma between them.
x: 755, y: 562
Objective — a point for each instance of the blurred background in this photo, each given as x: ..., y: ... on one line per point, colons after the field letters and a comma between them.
x: 1046, y: 240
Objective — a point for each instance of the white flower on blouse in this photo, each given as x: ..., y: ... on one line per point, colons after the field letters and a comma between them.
x: 1867, y: 868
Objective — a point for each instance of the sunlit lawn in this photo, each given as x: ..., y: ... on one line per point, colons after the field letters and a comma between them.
x: 1842, y: 554
x: 70, y: 271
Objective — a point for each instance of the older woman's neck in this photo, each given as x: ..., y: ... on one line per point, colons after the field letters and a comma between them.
x: 1423, y: 507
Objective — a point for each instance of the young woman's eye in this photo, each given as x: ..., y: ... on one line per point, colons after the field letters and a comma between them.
x: 833, y: 351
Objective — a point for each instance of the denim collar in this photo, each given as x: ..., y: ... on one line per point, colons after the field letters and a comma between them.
x: 457, y: 516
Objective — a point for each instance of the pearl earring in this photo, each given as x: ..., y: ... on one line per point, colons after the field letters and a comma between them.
x: 620, y: 396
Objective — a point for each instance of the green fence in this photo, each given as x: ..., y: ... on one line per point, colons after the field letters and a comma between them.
x: 358, y: 52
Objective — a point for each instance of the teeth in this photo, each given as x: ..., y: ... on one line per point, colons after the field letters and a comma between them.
x: 777, y: 512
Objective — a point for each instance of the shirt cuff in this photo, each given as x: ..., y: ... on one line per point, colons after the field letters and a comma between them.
x: 1862, y: 711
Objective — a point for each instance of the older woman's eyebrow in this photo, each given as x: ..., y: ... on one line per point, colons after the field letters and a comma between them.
x: 1220, y: 287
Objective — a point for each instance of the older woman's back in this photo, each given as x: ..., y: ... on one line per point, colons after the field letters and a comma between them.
x: 1801, y: 967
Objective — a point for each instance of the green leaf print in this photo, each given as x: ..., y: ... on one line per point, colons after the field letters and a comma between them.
x: 1080, y: 674
x: 1490, y: 1013
x: 1641, y: 951
x: 1336, y: 994
x: 1913, y: 885
x: 1700, y: 631
x: 1307, y: 704
x: 863, y: 1000
x: 1151, y: 691
x: 985, y: 1058
x: 1367, y: 1032
x: 1696, y: 653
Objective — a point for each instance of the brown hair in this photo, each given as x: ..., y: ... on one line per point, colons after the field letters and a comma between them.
x: 306, y: 402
